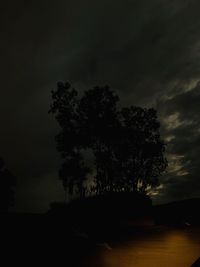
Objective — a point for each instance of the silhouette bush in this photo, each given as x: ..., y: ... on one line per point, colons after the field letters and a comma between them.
x: 7, y: 193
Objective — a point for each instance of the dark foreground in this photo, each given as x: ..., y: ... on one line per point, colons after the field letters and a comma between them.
x: 47, y: 240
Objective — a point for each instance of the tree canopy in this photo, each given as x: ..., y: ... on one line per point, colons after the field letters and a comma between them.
x: 125, y: 142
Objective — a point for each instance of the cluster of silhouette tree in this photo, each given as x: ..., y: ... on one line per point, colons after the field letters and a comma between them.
x: 7, y: 192
x: 124, y: 142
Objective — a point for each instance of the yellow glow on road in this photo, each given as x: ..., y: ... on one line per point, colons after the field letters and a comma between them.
x: 164, y: 249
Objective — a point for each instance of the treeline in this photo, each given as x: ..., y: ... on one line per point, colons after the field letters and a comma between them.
x: 124, y: 143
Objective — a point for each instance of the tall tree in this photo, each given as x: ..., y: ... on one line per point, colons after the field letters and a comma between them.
x: 126, y: 144
x: 73, y: 173
x: 140, y: 150
x: 99, y: 122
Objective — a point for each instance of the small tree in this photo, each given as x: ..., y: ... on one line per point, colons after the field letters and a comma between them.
x: 7, y: 193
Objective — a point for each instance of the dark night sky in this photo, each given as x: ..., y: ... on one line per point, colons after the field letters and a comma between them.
x: 146, y: 50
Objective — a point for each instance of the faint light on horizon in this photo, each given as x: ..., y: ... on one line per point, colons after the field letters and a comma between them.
x: 175, y: 164
x: 169, y: 138
x: 155, y: 191
x: 182, y: 173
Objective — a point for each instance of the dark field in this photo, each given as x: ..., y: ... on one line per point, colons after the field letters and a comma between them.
x: 47, y: 240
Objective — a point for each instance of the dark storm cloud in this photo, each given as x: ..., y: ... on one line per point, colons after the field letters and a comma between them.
x: 141, y: 45
x: 145, y: 49
x: 183, y: 132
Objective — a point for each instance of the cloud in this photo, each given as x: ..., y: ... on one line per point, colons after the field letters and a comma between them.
x: 182, y: 178
x: 148, y: 51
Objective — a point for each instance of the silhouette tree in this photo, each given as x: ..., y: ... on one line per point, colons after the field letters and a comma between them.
x: 8, y: 182
x: 139, y: 149
x: 99, y: 123
x: 73, y: 174
x: 125, y: 143
x: 69, y: 141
